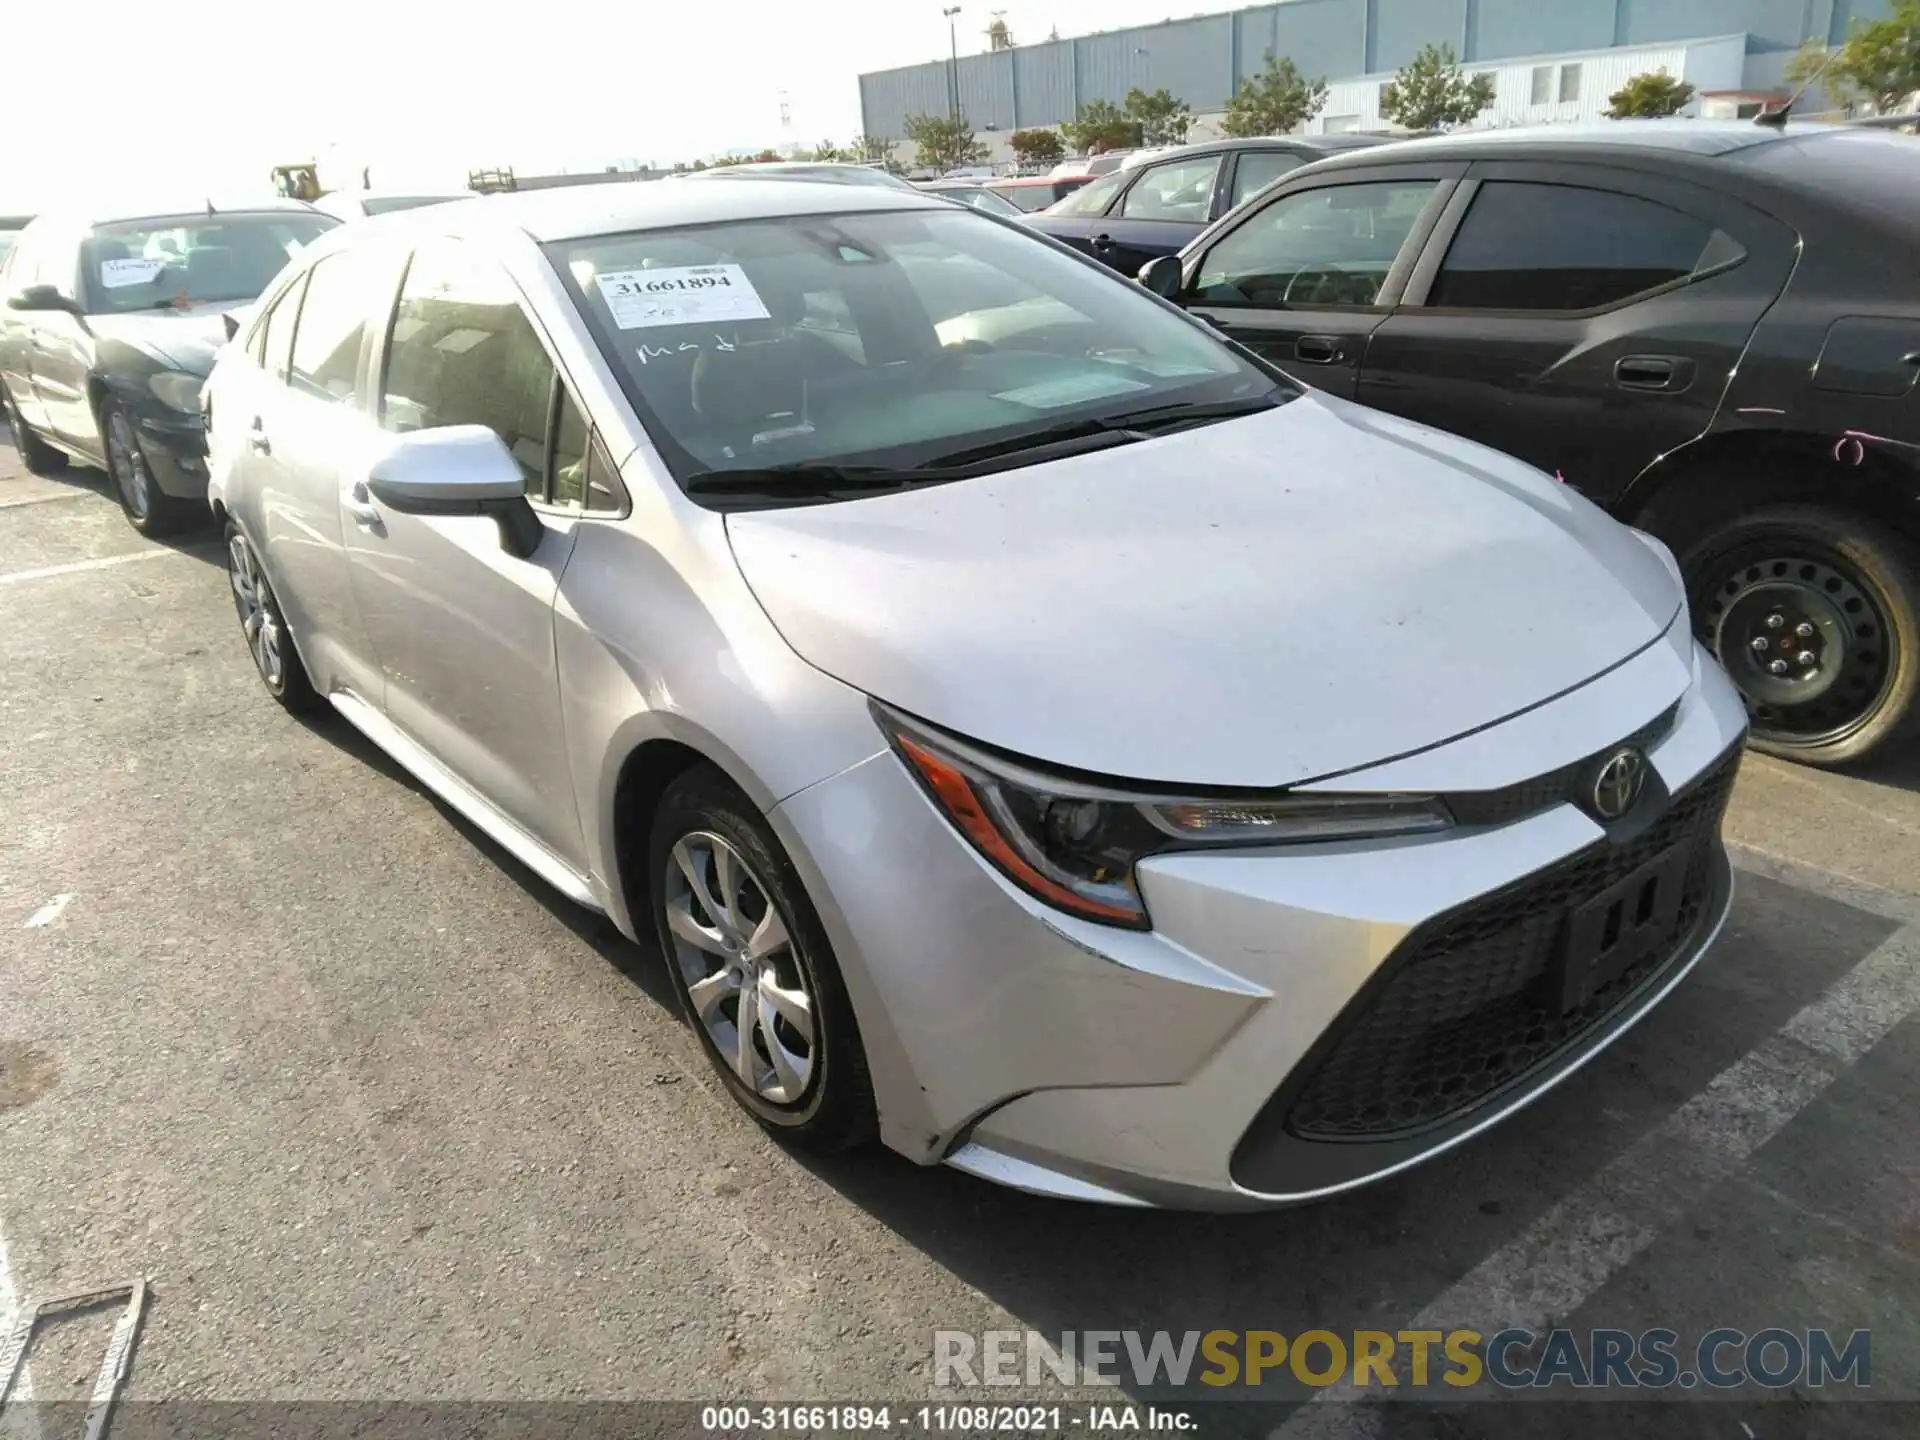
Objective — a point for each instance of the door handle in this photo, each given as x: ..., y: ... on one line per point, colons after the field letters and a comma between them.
x: 359, y: 504
x: 1319, y: 349
x: 1102, y: 242
x: 1653, y: 372
x: 257, y: 440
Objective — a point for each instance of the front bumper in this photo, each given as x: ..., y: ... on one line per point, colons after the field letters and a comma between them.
x: 175, y: 447
x: 1165, y: 1067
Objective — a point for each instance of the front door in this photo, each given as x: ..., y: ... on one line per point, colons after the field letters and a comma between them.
x: 1583, y: 318
x: 1305, y: 278
x: 303, y: 411
x: 463, y: 627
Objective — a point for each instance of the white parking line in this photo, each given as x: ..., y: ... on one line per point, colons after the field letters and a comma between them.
x: 22, y: 1393
x: 1545, y: 1273
x: 75, y: 567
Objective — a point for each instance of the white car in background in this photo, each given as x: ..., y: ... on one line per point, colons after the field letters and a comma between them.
x: 358, y: 204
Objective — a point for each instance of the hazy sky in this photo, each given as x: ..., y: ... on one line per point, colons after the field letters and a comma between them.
x: 211, y: 95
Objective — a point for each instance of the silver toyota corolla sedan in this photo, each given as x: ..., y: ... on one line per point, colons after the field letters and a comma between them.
x: 1035, y: 731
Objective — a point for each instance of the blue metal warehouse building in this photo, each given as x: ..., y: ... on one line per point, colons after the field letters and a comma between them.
x: 1357, y: 43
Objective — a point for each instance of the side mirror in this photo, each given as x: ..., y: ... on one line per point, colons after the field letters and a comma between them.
x: 1161, y: 275
x: 42, y: 297
x: 458, y: 470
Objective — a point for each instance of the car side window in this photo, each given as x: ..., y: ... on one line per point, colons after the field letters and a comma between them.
x: 1526, y: 246
x: 280, y: 329
x: 1094, y: 197
x: 325, y: 362
x: 1260, y: 168
x: 1177, y: 190
x: 1332, y: 246
x: 461, y: 351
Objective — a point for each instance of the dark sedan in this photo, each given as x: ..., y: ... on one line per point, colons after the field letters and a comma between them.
x: 1128, y: 217
x: 109, y: 328
x: 1711, y: 328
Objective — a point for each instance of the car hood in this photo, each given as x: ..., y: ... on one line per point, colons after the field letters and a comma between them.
x: 1254, y: 603
x: 179, y: 339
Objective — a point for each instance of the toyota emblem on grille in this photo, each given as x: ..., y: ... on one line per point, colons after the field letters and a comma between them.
x: 1618, y: 785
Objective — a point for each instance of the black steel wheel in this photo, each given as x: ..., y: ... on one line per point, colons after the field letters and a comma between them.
x: 1812, y: 612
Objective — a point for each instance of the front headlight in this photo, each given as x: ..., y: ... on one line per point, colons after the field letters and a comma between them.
x: 1075, y: 844
x: 177, y: 390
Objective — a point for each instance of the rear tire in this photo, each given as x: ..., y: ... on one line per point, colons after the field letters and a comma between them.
x: 1816, y: 616
x: 149, y: 509
x: 265, y: 629
x: 736, y: 926
x: 37, y: 455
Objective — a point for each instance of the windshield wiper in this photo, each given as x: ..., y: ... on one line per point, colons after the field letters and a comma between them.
x: 803, y: 481
x: 1073, y: 436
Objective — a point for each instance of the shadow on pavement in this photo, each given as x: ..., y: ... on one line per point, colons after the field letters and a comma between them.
x: 640, y: 964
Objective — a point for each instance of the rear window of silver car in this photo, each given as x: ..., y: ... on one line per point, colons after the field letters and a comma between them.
x: 878, y: 338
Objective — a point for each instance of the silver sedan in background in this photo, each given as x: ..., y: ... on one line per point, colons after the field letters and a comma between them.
x: 1034, y: 731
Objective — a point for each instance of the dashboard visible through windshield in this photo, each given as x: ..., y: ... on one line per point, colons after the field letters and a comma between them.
x: 891, y: 339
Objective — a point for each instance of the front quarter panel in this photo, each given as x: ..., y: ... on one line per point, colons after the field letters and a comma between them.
x: 659, y: 638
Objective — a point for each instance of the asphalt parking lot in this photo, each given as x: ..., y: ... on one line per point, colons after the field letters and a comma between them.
x: 379, y: 1118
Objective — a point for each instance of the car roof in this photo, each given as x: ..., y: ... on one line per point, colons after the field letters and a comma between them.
x: 1328, y: 143
x: 108, y: 214
x: 1703, y: 139
x: 1038, y: 179
x: 579, y: 211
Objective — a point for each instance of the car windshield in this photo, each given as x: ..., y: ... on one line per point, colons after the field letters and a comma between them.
x: 892, y: 339
x: 191, y: 260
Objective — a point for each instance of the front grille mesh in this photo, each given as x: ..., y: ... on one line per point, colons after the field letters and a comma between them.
x: 1468, y: 1004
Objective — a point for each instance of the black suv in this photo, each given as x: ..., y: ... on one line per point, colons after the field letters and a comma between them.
x: 110, y: 325
x: 1712, y: 329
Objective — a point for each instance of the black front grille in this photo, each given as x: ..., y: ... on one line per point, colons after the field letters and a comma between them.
x: 1470, y: 1002
x: 1556, y: 787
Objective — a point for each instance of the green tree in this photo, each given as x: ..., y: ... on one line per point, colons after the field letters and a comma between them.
x: 1879, y: 62
x: 1162, y: 119
x: 942, y: 144
x: 1431, y: 92
x: 1277, y: 101
x: 1102, y: 123
x: 874, y: 149
x: 1652, y: 96
x: 1037, y: 147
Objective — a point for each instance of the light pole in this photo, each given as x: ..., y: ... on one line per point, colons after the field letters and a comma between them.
x: 953, y: 65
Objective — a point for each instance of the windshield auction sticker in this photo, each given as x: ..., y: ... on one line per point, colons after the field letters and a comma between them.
x: 136, y: 270
x: 680, y: 295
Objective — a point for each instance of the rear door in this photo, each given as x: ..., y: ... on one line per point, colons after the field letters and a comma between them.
x: 16, y: 329
x: 307, y: 419
x: 1582, y: 317
x: 1166, y: 206
x: 1306, y: 276
x: 1251, y: 172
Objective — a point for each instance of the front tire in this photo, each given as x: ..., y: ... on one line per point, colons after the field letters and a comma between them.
x: 750, y: 962
x: 149, y: 509
x: 37, y: 455
x: 264, y: 628
x: 1816, y: 616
